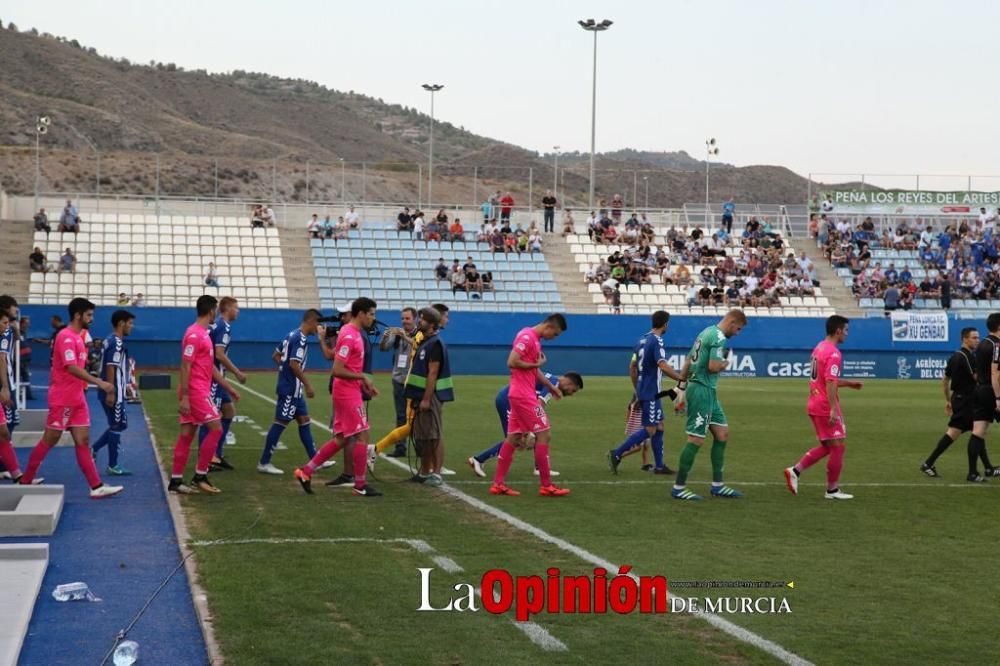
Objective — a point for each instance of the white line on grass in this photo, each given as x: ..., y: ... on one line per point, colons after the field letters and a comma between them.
x: 535, y: 632
x: 718, y: 622
x: 667, y: 484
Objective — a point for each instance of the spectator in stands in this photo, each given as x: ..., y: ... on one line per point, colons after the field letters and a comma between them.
x: 610, y: 234
x: 534, y: 243
x: 458, y: 282
x: 342, y: 230
x: 37, y: 261
x: 42, y: 221
x: 327, y: 227
x: 823, y: 231
x: 732, y: 298
x: 617, y: 204
x: 510, y: 243
x: 314, y: 227
x: 70, y: 218
x: 549, y: 204
x: 616, y: 301
x: 487, y: 281
x: 418, y: 226
x: 267, y: 215
x: 456, y: 232
x: 257, y: 217
x: 495, y: 205
x: 728, y: 211
x: 138, y: 300
x: 123, y: 298
x: 506, y: 207
x: 454, y: 267
x: 473, y: 280
x: 441, y: 271
x: 497, y: 242
x: 67, y: 262
x: 522, y: 241
x: 352, y: 218
x: 891, y: 274
x: 404, y: 221
x: 211, y: 276
x: 469, y: 264
x: 891, y: 297
x: 432, y: 232
x: 487, y: 209
x: 569, y: 226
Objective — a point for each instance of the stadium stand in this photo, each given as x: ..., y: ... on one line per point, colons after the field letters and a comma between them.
x: 397, y: 271
x: 914, y: 262
x: 642, y: 298
x: 164, y: 258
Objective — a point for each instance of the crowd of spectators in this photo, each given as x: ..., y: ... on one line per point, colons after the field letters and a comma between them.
x: 962, y: 261
x: 463, y: 277
x: 327, y: 228
x: 758, y: 275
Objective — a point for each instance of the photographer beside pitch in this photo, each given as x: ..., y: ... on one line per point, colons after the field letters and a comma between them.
x: 428, y: 385
x: 402, y: 349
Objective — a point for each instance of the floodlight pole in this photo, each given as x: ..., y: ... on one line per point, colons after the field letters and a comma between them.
x: 431, y: 88
x: 591, y: 25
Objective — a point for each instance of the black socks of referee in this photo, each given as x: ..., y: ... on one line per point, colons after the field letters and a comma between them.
x: 976, y: 450
x: 942, y: 446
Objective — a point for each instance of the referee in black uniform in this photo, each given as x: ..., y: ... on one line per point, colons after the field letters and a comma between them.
x: 986, y: 404
x: 959, y: 383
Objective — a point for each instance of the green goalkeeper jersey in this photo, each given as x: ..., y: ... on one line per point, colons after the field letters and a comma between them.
x: 710, y: 345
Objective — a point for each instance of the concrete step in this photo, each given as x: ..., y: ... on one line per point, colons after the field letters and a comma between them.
x: 30, y: 510
x: 22, y: 568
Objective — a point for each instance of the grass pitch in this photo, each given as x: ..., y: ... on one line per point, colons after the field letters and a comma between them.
x: 905, y: 570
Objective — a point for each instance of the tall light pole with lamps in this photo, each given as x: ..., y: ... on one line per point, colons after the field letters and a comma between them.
x: 645, y: 180
x: 592, y: 26
x: 711, y: 148
x: 41, y: 127
x: 431, y: 88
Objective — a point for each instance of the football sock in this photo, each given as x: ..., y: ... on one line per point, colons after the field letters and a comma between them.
x: 687, y: 462
x: 983, y: 455
x: 306, y: 435
x: 182, y: 449
x: 360, y: 455
x: 718, y: 461
x: 833, y: 467
x: 86, y: 463
x: 206, y: 451
x: 222, y: 442
x: 658, y: 448
x: 973, y: 451
x: 542, y: 464
x: 101, y: 441
x: 394, y: 436
x: 941, y: 447
x: 504, y: 461
x: 810, y: 458
x: 273, y: 435
x: 633, y: 441
x: 326, y: 452
x: 491, y: 452
x: 9, y: 459
x: 114, y: 447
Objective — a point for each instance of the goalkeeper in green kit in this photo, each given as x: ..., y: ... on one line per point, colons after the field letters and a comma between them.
x: 708, y: 357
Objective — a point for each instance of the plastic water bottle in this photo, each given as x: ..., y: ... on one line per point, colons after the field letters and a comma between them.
x: 73, y: 592
x: 126, y: 653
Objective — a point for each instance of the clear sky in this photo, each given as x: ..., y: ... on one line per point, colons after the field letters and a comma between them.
x: 822, y: 86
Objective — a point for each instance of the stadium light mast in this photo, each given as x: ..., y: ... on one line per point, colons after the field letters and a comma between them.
x: 555, y: 171
x: 41, y: 127
x: 592, y: 26
x: 645, y: 180
x: 711, y: 148
x: 431, y: 88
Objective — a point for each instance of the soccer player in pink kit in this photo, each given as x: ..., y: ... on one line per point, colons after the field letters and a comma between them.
x: 824, y: 410
x: 527, y: 414
x: 67, y: 402
x: 197, y: 408
x: 350, y: 423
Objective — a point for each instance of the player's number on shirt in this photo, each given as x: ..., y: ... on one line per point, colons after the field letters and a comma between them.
x: 284, y: 350
x: 696, y: 351
x: 813, y: 368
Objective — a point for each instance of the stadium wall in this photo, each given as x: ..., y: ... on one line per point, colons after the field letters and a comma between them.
x: 593, y: 344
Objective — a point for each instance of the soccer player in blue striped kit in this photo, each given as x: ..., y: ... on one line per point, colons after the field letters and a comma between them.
x: 114, y: 368
x: 646, y: 369
x: 222, y: 336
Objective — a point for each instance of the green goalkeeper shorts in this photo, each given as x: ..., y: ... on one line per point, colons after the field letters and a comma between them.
x: 703, y: 410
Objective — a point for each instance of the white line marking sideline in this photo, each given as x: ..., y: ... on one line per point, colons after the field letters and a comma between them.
x: 720, y: 623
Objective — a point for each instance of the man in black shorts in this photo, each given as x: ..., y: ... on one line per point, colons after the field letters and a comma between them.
x: 959, y: 384
x: 986, y: 403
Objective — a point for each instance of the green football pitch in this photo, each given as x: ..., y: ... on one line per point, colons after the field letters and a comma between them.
x: 906, y: 570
